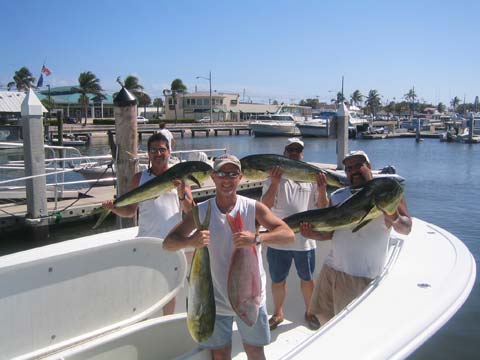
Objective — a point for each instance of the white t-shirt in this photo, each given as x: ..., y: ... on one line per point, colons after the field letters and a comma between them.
x: 158, y: 216
x: 362, y: 253
x: 293, y: 197
x: 221, y: 248
x: 168, y: 135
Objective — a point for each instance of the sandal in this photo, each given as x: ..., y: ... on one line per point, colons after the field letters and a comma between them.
x: 312, y: 321
x: 274, y: 321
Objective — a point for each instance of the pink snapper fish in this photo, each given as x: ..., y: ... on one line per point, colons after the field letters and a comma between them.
x: 244, y: 283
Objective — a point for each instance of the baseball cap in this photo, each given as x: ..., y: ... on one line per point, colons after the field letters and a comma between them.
x: 294, y: 140
x: 224, y: 160
x: 354, y: 153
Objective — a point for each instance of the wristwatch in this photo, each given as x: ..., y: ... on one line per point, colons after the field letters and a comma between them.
x: 258, y: 239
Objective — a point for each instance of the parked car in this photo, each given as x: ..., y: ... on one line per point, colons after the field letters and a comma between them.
x: 142, y: 120
x: 205, y: 119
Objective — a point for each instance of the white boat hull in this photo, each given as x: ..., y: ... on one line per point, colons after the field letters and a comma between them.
x: 274, y: 128
x: 429, y: 275
x: 313, y: 129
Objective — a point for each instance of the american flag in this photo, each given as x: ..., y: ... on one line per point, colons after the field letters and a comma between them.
x: 46, y: 70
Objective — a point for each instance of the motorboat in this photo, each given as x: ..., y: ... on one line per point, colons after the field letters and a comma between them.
x: 314, y: 128
x: 100, y: 297
x: 281, y: 123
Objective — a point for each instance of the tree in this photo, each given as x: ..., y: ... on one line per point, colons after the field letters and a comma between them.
x: 455, y: 102
x: 22, y: 80
x: 441, y: 107
x: 373, y: 102
x: 131, y: 84
x: 356, y: 97
x: 313, y: 103
x: 178, y: 87
x: 144, y: 100
x: 158, y: 102
x: 410, y: 97
x: 88, y: 84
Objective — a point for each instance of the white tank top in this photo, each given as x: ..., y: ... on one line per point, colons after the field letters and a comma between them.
x: 362, y: 253
x: 221, y: 248
x: 158, y: 216
x: 293, y: 197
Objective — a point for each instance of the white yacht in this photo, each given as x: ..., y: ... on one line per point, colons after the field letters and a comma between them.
x: 283, y: 122
x: 100, y: 297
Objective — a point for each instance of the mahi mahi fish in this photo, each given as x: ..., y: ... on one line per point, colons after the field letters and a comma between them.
x: 244, y: 283
x: 257, y: 167
x: 196, y: 171
x: 380, y: 194
x: 200, y: 297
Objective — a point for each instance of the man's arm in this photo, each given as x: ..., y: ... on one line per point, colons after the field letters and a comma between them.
x: 401, y: 221
x: 181, y: 235
x: 269, y: 197
x: 128, y: 211
x: 322, y: 200
x: 278, y: 230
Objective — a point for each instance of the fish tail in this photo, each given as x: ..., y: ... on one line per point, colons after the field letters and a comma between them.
x: 102, y: 217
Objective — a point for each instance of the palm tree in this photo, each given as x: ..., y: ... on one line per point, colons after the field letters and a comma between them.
x: 373, y: 101
x: 158, y: 102
x: 177, y: 87
x: 455, y: 102
x: 22, y: 80
x: 144, y: 100
x: 356, y: 97
x: 131, y: 84
x: 410, y: 97
x: 88, y: 84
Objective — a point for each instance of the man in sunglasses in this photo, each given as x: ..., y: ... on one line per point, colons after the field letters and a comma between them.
x: 286, y: 197
x: 157, y: 216
x: 227, y: 175
x: 357, y: 257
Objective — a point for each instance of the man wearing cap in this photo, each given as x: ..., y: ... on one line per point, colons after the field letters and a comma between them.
x: 157, y: 216
x: 226, y: 176
x: 356, y: 258
x: 286, y: 197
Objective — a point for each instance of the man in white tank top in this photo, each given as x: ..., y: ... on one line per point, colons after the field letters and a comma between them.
x: 157, y: 216
x: 286, y: 197
x: 356, y: 258
x: 221, y: 242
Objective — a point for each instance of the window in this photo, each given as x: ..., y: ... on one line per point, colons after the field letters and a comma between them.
x: 233, y: 102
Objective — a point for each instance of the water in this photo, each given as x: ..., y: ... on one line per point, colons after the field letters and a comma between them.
x: 442, y: 187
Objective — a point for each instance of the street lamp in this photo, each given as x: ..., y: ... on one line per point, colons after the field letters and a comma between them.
x: 210, y: 83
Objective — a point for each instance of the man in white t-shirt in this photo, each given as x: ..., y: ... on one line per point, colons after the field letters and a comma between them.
x: 157, y: 216
x: 286, y: 197
x: 356, y: 257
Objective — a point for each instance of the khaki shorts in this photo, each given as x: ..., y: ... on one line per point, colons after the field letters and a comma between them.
x: 334, y: 290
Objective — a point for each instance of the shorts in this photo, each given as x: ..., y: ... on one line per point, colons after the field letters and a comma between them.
x: 334, y: 290
x: 280, y: 261
x: 257, y: 335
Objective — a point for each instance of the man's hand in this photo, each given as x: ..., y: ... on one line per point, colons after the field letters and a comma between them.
x: 243, y: 239
x: 276, y: 175
x: 199, y: 239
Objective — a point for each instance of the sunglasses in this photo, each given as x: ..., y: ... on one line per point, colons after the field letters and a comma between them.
x: 155, y: 150
x: 356, y: 166
x: 294, y: 149
x: 229, y: 174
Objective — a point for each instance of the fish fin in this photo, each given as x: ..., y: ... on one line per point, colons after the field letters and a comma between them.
x: 102, y: 217
x: 359, y: 226
x: 239, y: 222
x: 196, y: 217
x: 231, y: 222
x: 195, y: 180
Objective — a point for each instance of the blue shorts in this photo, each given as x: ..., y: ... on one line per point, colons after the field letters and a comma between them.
x: 257, y: 335
x: 280, y: 261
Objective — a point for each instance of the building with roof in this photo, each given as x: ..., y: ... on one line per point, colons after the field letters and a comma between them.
x: 225, y: 106
x: 66, y: 99
x: 11, y: 104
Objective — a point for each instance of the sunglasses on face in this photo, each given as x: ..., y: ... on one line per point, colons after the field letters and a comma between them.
x: 294, y: 149
x: 155, y: 150
x: 356, y: 166
x: 227, y: 174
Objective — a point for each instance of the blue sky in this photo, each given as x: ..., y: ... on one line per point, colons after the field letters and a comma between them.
x: 284, y: 50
